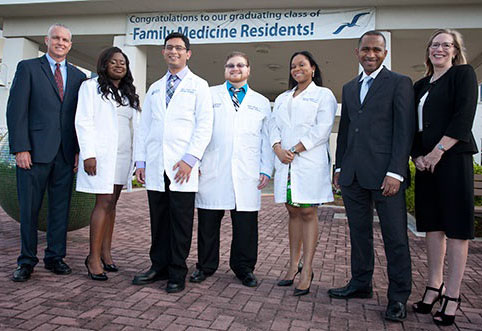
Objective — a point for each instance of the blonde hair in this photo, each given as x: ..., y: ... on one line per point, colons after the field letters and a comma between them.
x: 459, y: 57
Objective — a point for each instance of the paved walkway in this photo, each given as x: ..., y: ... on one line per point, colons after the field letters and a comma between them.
x: 74, y: 302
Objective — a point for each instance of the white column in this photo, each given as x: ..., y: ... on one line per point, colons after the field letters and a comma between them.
x: 138, y: 63
x: 388, y: 59
x: 14, y: 50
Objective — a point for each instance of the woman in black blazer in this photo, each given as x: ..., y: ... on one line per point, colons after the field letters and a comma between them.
x: 442, y: 152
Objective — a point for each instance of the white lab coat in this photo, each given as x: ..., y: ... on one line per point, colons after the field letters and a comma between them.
x: 165, y: 135
x: 96, y: 125
x: 313, y: 113
x: 238, y: 152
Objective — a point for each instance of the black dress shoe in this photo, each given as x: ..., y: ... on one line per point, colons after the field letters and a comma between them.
x: 58, y: 267
x: 248, y: 280
x: 349, y: 291
x: 149, y: 277
x: 22, y: 273
x: 101, y: 277
x: 198, y: 276
x: 175, y: 287
x: 396, y: 311
x: 109, y: 267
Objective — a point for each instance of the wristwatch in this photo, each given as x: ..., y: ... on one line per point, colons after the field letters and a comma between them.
x: 441, y: 147
x: 293, y: 150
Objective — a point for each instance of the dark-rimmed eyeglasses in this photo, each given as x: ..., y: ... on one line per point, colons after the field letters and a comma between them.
x: 177, y: 48
x: 238, y: 65
x: 445, y: 46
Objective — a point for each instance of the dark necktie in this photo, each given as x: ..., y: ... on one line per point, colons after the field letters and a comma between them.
x: 235, y: 97
x: 59, y: 81
x: 170, y: 88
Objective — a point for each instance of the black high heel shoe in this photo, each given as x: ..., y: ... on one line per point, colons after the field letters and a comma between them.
x: 289, y: 282
x: 297, y: 292
x: 426, y: 308
x: 92, y: 276
x: 109, y: 267
x: 444, y: 318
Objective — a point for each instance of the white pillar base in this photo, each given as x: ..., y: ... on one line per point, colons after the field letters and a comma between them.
x: 14, y: 50
x: 138, y: 64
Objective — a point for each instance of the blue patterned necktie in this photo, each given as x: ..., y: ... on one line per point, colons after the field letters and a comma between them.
x: 367, y: 82
x: 170, y: 88
x: 235, y: 97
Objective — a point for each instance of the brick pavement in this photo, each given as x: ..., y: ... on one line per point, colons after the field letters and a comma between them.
x: 74, y: 302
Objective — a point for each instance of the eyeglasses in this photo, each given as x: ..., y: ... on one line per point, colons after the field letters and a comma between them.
x: 239, y: 65
x: 177, y: 48
x: 445, y: 46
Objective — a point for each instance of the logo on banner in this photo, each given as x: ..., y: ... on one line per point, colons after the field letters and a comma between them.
x: 351, y: 24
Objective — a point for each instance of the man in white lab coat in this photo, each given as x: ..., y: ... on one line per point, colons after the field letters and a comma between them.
x: 237, y: 164
x: 175, y: 128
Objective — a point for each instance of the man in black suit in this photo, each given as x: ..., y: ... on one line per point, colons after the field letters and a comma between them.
x: 40, y: 119
x: 374, y: 140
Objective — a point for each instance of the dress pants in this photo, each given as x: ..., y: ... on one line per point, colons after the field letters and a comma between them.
x: 244, y: 245
x: 171, y: 216
x: 393, y: 223
x: 57, y: 178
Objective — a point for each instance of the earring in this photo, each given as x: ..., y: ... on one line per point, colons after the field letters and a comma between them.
x: 313, y: 73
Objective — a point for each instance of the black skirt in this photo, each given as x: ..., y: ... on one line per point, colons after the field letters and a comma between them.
x: 444, y: 200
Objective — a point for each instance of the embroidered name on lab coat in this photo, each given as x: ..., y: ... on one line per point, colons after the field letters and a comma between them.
x: 155, y: 91
x: 310, y: 100
x: 254, y: 108
x: 188, y: 90
x: 216, y: 105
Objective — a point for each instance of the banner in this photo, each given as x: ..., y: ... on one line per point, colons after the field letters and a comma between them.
x: 247, y: 26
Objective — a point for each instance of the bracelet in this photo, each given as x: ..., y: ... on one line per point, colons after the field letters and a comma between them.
x: 276, y: 144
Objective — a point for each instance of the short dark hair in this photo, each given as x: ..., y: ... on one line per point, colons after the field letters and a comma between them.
x: 237, y: 53
x: 178, y: 35
x: 317, y: 74
x: 373, y: 33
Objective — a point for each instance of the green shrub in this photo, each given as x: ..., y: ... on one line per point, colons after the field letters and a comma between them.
x: 410, y: 192
x: 135, y: 183
x: 478, y: 170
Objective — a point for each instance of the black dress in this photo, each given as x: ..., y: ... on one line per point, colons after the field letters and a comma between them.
x: 444, y: 200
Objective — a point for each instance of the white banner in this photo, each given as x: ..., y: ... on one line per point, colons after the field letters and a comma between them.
x: 250, y: 25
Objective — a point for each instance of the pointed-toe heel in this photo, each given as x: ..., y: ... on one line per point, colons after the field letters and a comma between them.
x: 289, y: 282
x: 101, y: 276
x: 298, y: 292
x: 421, y: 307
x: 109, y: 267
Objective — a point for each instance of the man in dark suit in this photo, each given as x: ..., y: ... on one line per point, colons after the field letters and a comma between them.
x: 40, y: 118
x: 374, y: 140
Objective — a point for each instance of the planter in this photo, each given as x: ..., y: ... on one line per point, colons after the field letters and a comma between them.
x: 80, y: 208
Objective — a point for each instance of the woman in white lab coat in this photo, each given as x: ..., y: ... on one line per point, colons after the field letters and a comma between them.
x: 300, y: 128
x: 104, y: 122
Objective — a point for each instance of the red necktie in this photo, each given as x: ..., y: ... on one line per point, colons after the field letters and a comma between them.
x: 59, y: 81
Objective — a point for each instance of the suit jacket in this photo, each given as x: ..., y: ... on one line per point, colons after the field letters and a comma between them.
x: 38, y: 121
x: 375, y: 137
x: 449, y: 110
